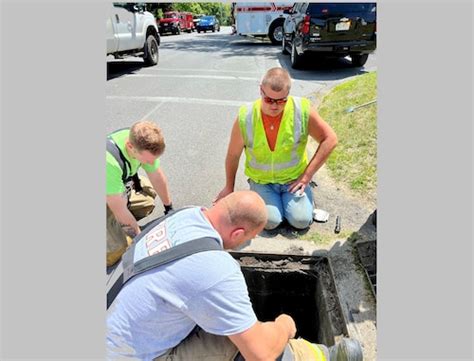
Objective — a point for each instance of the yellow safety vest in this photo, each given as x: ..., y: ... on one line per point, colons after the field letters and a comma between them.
x: 288, y: 160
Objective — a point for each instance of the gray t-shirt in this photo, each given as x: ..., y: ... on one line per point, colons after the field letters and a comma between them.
x: 155, y: 311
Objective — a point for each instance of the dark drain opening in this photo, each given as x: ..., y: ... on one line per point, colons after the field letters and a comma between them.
x: 293, y: 293
x: 301, y: 287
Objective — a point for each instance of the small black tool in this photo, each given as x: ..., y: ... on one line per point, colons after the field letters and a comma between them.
x: 337, y: 229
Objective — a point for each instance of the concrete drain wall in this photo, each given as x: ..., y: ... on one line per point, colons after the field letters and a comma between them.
x: 300, y: 286
x: 367, y: 251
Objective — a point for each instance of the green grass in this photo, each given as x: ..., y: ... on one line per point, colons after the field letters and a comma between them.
x: 324, y: 238
x: 354, y: 161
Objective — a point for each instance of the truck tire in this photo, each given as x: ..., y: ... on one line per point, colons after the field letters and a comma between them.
x: 151, y: 55
x: 296, y: 59
x: 359, y: 60
x: 283, y: 46
x: 275, y: 33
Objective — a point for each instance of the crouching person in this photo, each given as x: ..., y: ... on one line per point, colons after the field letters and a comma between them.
x: 130, y: 197
x: 197, y: 307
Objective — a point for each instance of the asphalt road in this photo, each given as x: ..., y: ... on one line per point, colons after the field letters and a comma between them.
x: 194, y: 94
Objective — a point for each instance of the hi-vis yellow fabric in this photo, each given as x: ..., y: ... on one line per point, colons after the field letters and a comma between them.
x: 288, y: 160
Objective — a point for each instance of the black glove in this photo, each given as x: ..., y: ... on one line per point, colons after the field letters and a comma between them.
x: 168, y: 208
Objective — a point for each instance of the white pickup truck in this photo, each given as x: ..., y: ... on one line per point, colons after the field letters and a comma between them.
x: 132, y: 31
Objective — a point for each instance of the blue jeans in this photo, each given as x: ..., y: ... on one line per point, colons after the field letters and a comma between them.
x: 296, y: 209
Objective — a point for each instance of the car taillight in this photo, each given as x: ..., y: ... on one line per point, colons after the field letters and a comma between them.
x: 306, y: 22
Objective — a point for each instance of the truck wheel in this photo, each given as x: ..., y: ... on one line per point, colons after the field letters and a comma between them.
x: 178, y: 30
x: 296, y: 59
x: 359, y: 59
x: 151, y: 50
x: 275, y: 33
x: 213, y: 29
x: 283, y: 46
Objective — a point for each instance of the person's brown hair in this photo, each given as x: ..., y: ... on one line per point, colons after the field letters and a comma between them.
x: 146, y: 135
x: 277, y: 79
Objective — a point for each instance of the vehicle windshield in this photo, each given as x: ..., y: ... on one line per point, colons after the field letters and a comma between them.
x: 207, y: 18
x: 170, y: 16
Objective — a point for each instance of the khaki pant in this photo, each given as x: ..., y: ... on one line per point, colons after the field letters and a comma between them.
x: 141, y: 205
x: 202, y: 346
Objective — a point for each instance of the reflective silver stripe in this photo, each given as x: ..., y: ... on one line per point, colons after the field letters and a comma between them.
x: 276, y: 166
x: 297, y: 124
x: 249, y: 125
x: 291, y: 163
x: 260, y: 166
x: 250, y: 136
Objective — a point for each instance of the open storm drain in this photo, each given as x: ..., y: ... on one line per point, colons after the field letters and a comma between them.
x: 300, y: 286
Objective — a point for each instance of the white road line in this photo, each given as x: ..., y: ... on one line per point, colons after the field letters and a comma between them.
x: 145, y: 117
x: 176, y: 70
x: 181, y: 100
x: 215, y: 77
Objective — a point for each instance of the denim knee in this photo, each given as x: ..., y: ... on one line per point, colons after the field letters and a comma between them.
x: 299, y: 221
x: 274, y: 218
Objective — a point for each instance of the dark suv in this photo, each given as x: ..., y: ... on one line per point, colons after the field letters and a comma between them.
x: 332, y: 29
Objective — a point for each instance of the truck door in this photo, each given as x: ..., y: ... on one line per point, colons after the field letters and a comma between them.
x: 111, y: 31
x: 125, y: 26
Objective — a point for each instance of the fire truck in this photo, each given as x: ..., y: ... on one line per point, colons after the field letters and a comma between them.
x: 260, y: 19
x: 175, y: 22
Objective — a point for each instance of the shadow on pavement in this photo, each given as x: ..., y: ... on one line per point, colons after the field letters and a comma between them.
x: 285, y: 230
x: 321, y: 68
x: 230, y: 46
x: 119, y: 68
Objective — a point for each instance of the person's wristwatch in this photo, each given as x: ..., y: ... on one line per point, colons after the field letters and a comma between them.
x: 168, y: 208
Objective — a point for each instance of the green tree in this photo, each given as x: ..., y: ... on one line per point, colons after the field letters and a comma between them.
x: 194, y: 8
x: 221, y: 10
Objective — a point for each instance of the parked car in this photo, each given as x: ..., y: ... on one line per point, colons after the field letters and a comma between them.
x: 174, y: 22
x: 331, y: 29
x: 196, y: 19
x: 208, y: 22
x: 123, y: 39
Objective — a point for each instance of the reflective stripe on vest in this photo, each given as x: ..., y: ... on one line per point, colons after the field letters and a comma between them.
x: 299, y: 120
